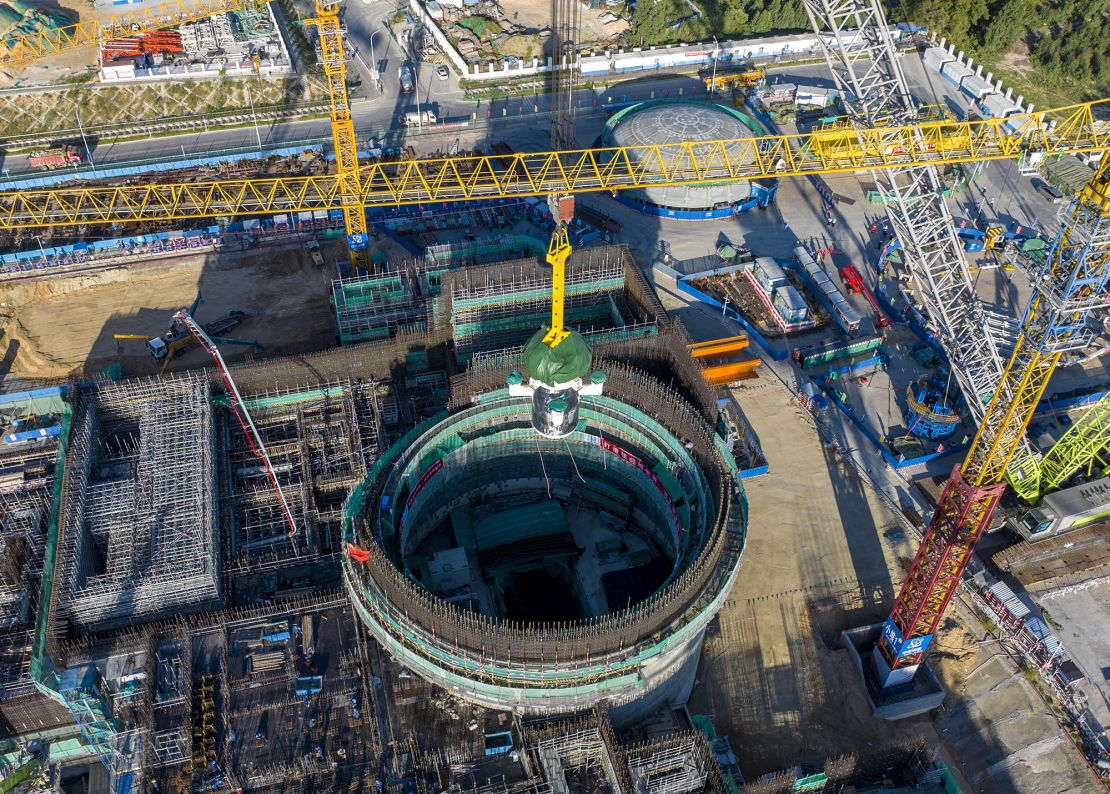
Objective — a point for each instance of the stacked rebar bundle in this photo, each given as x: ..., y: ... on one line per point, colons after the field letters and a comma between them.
x: 140, y: 535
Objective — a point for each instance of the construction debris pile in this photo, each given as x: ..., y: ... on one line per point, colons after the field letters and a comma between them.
x: 491, y: 31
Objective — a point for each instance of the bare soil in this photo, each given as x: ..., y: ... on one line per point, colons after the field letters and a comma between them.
x: 532, y: 14
x: 56, y: 67
x: 1016, y: 59
x: 63, y: 326
x: 775, y: 678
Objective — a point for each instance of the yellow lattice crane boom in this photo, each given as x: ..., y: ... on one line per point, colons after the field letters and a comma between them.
x: 348, y: 177
x: 23, y: 47
x: 580, y: 171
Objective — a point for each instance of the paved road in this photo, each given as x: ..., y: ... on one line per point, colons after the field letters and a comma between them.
x: 1000, y: 194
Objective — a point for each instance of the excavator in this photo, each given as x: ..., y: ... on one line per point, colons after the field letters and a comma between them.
x: 178, y: 337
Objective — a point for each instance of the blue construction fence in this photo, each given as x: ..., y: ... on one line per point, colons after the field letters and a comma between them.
x: 654, y: 210
x: 59, y: 177
x: 754, y: 335
x: 78, y: 253
x: 900, y: 462
x: 1071, y: 401
x: 756, y: 471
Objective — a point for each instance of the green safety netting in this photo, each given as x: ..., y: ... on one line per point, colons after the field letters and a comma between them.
x: 568, y: 360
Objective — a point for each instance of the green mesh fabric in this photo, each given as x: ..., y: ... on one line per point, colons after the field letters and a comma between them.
x: 568, y: 360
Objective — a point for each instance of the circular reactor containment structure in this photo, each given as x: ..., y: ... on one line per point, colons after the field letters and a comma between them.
x: 666, y: 122
x: 546, y: 574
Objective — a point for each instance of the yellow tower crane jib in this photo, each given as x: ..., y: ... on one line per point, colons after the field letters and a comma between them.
x: 468, y: 178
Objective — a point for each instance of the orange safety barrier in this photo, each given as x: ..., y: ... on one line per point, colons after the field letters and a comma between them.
x: 358, y: 554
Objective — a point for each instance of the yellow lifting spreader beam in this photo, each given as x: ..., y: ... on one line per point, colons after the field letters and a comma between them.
x: 579, y: 171
x: 19, y: 48
x: 558, y: 251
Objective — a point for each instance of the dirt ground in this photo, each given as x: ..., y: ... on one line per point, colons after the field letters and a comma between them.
x: 50, y: 70
x: 821, y: 557
x: 58, y: 327
x: 774, y: 677
x: 538, y: 15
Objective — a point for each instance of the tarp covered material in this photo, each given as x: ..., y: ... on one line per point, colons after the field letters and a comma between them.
x: 568, y: 360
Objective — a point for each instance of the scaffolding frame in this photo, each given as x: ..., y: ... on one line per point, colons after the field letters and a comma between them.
x: 669, y: 768
x: 368, y: 306
x: 500, y: 306
x: 320, y: 439
x: 24, y: 514
x: 140, y: 531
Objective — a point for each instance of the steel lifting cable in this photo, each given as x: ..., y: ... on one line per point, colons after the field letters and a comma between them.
x: 547, y: 479
x: 573, y: 462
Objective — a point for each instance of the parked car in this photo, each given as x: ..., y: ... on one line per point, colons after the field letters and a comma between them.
x: 443, y: 73
x: 1048, y: 191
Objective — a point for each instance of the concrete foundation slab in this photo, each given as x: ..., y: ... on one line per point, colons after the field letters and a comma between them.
x: 923, y: 694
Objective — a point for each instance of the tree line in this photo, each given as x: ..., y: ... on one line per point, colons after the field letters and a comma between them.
x: 1067, y: 39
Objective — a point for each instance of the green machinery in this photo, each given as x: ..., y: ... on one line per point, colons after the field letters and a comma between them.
x: 1080, y: 447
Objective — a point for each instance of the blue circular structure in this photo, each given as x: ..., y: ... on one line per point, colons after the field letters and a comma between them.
x: 930, y: 413
x: 662, y: 122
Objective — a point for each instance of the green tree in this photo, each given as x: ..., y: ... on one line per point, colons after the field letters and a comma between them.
x: 1006, y: 25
